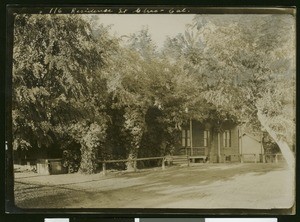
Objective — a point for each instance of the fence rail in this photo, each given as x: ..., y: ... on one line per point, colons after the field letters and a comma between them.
x: 273, y: 157
x: 134, y: 161
x: 248, y: 157
x: 251, y: 157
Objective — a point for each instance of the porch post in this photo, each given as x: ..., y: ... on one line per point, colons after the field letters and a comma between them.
x: 191, y: 136
x: 219, y: 148
x: 262, y: 150
x: 239, y: 139
x: 241, y: 144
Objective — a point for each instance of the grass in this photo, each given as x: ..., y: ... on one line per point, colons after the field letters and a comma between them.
x: 204, y: 186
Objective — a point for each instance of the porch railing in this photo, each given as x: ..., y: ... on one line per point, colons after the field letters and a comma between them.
x: 194, y: 151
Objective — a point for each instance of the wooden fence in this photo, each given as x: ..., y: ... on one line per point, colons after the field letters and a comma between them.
x: 253, y: 158
x: 133, y: 161
x: 242, y: 158
x: 271, y: 158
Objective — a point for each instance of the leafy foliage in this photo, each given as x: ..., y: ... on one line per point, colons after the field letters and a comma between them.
x: 254, y: 52
x: 56, y: 80
x: 73, y: 81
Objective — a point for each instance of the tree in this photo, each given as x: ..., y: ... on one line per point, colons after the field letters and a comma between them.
x: 56, y: 63
x: 142, y: 85
x: 251, y: 60
x: 127, y: 87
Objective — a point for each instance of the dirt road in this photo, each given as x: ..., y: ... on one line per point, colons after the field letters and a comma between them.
x: 205, y: 186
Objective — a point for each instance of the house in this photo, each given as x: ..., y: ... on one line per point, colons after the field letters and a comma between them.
x: 226, y: 142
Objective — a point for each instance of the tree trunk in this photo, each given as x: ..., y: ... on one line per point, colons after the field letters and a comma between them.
x: 88, y: 164
x: 131, y: 164
x: 284, y: 147
x: 135, y: 124
x: 133, y: 152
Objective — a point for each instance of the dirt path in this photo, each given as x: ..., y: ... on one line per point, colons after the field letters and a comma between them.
x: 255, y: 186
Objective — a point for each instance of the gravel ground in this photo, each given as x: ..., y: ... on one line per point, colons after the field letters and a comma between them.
x: 201, y: 186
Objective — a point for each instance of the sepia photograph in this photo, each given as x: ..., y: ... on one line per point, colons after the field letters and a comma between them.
x: 153, y: 108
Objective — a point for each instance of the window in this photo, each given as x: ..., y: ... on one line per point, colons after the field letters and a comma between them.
x: 227, y: 138
x: 205, y: 137
x: 185, y: 138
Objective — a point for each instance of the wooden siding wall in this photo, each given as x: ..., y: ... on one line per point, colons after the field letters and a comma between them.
x: 212, y: 147
x: 225, y: 151
x: 251, y: 145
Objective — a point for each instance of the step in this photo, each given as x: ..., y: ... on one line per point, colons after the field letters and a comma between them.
x: 179, y: 160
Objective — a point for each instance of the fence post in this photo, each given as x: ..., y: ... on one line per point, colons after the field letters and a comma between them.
x: 263, y: 158
x: 163, y: 163
x: 255, y: 159
x: 242, y: 159
x: 188, y: 160
x: 134, y: 164
x: 276, y: 158
x: 104, y: 168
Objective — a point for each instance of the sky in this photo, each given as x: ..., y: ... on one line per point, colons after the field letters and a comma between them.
x: 160, y: 26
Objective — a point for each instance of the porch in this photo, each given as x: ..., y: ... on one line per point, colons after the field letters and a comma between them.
x: 195, y: 154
